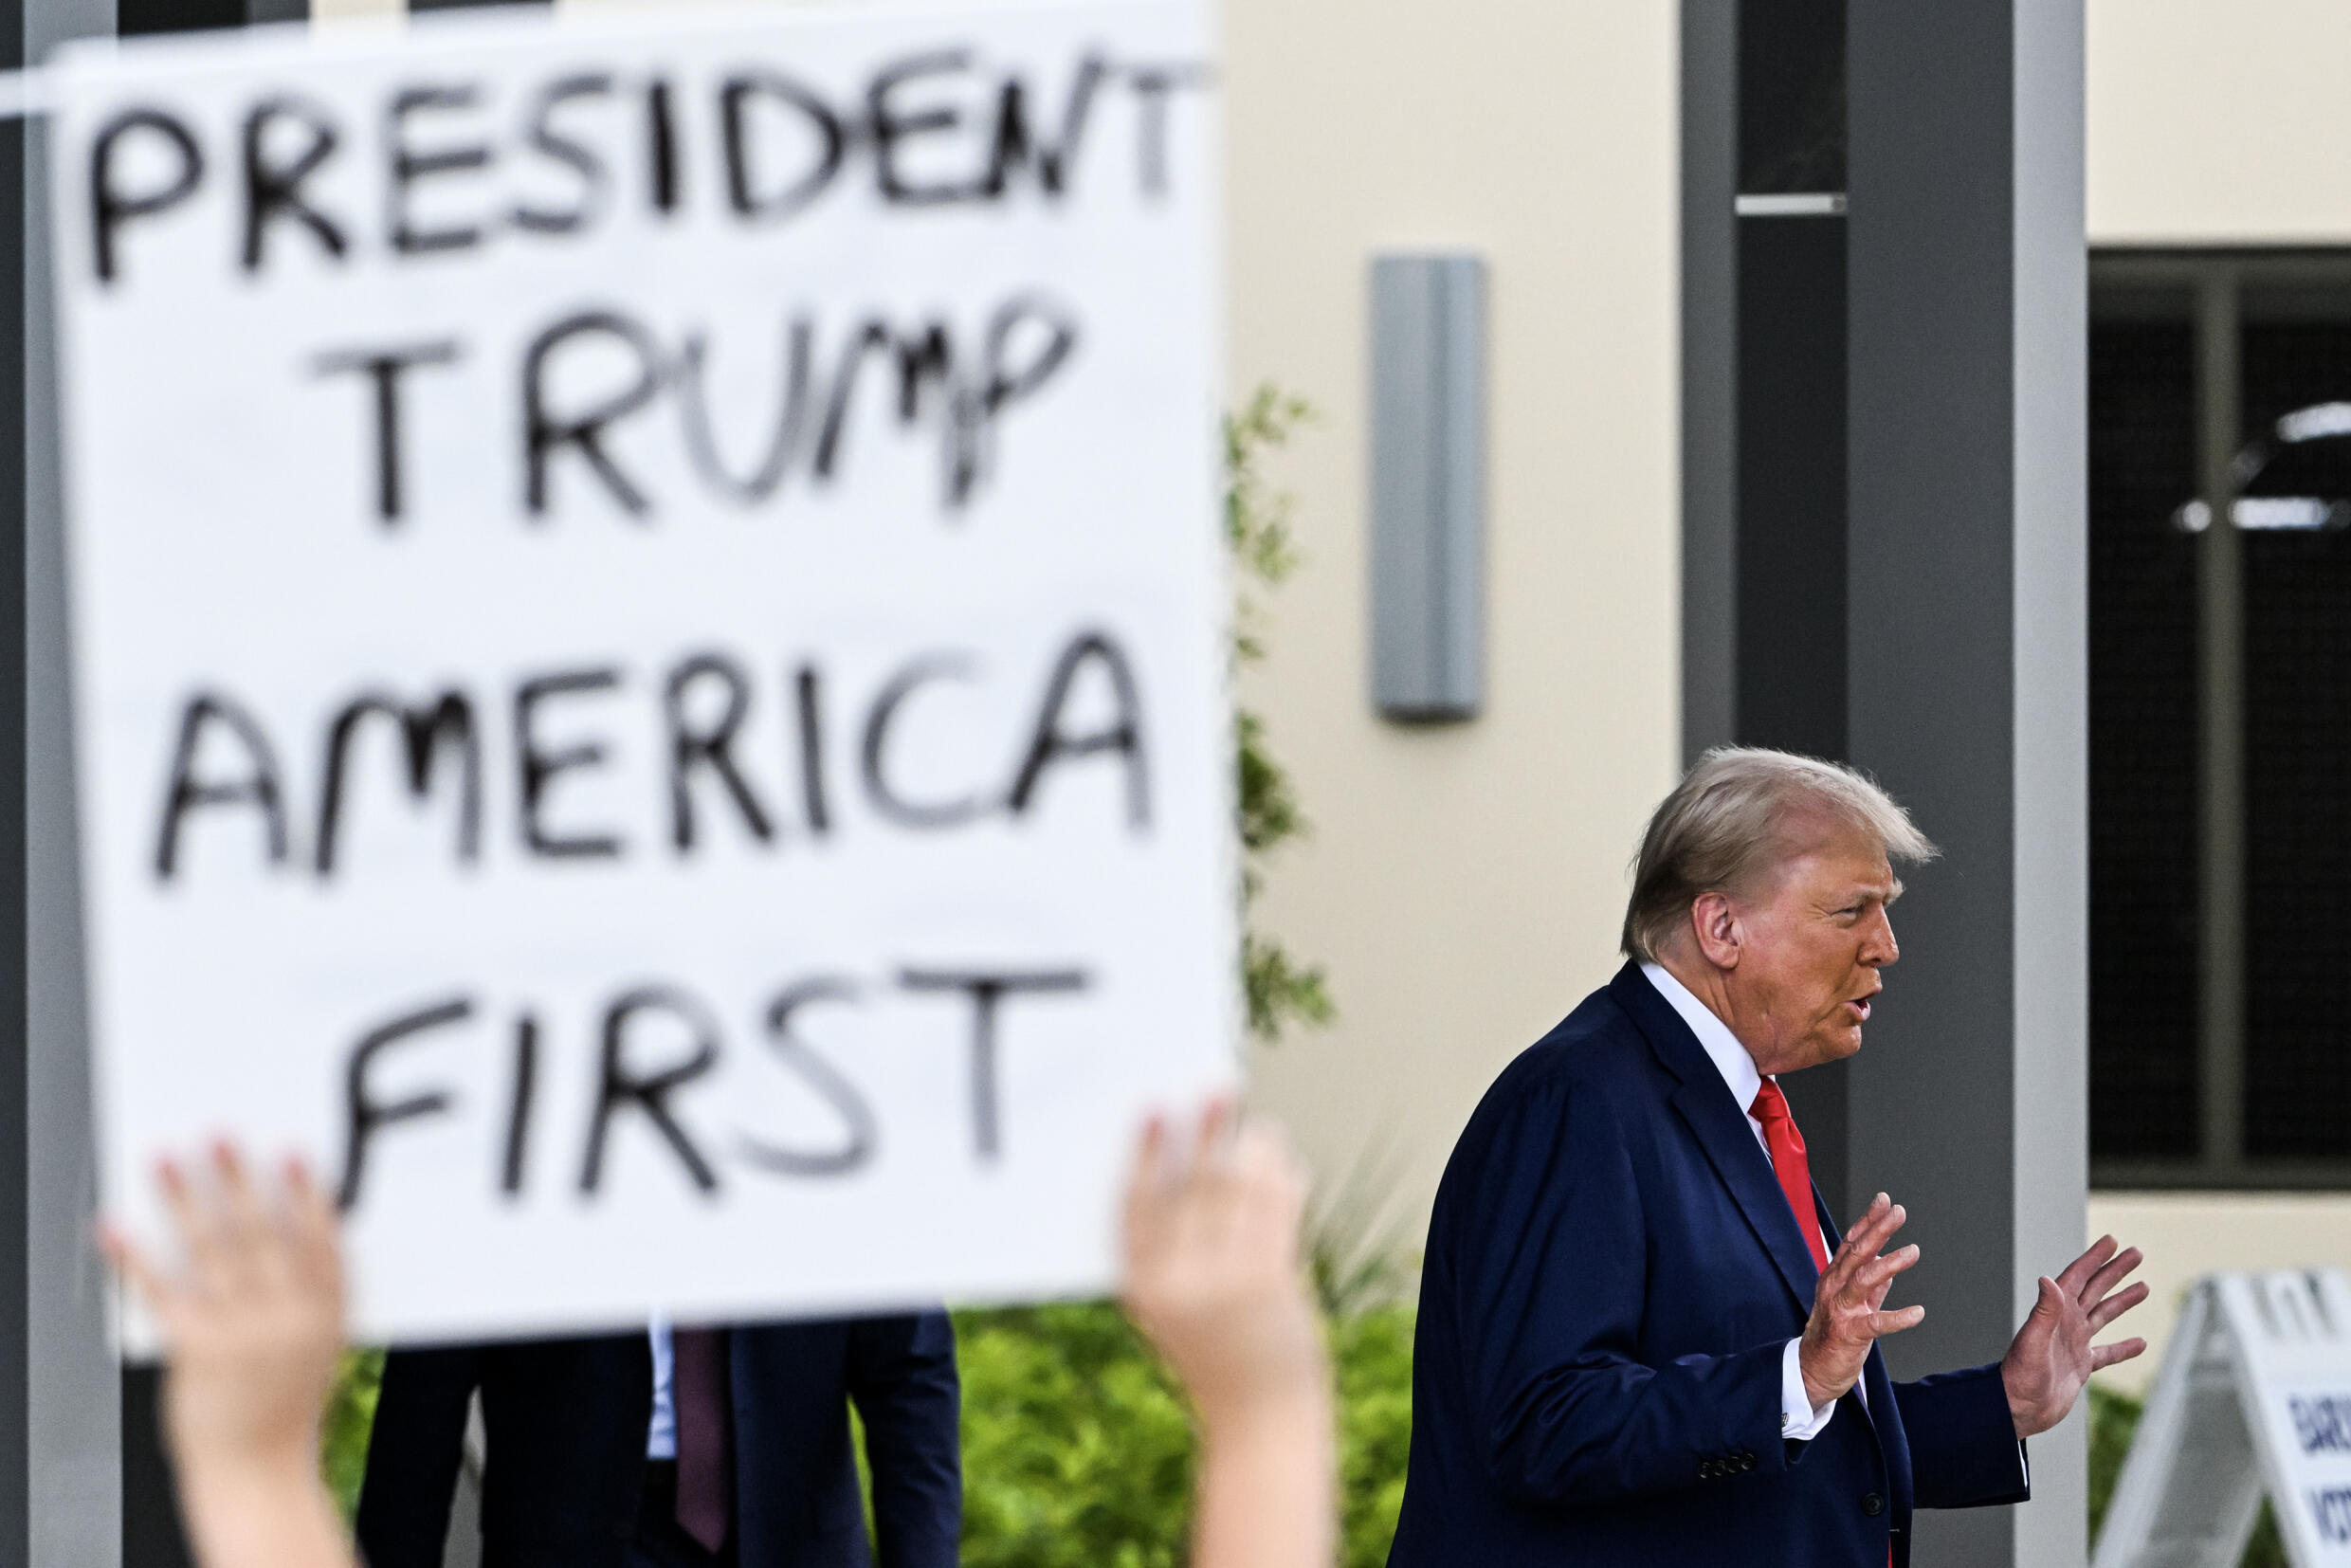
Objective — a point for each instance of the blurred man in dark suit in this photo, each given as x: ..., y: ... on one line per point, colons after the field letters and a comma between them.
x: 564, y: 1421
x: 683, y: 1450
x: 750, y: 1463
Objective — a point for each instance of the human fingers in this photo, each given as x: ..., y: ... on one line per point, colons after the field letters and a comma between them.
x: 248, y: 1243
x: 1861, y: 1242
x: 1275, y: 1183
x: 1148, y: 1178
x: 1882, y: 1323
x: 311, y: 1230
x: 134, y: 1266
x: 2115, y: 1306
x: 2102, y: 1284
x: 2121, y: 1350
x: 1153, y: 1218
x: 1219, y: 1127
x: 1852, y: 1249
x: 1875, y: 1233
x: 2076, y: 1275
x: 195, y: 1220
x: 1222, y: 1173
x: 1880, y: 1272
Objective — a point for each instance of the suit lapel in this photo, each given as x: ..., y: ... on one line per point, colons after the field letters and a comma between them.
x: 1722, y: 1130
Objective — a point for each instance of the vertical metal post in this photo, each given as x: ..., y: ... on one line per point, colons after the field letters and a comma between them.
x: 59, y: 1427
x: 73, y: 1401
x: 1709, y: 371
x: 1968, y: 677
x: 2220, y: 712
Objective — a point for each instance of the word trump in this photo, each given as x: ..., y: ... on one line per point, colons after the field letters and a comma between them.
x: 224, y: 760
x: 924, y: 371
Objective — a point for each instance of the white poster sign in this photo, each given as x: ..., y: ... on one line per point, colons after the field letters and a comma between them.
x: 2254, y: 1399
x: 647, y: 629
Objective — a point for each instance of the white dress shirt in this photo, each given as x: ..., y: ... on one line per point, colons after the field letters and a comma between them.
x: 1800, y: 1420
x: 661, y: 1434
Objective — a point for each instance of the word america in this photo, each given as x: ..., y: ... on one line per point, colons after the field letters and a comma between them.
x: 224, y: 761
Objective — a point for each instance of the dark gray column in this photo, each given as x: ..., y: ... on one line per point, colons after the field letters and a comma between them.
x: 1710, y: 367
x: 1968, y: 675
x: 1764, y: 520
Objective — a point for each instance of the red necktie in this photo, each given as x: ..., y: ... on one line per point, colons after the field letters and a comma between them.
x: 1795, y: 1181
x: 1796, y: 1176
x: 698, y: 1393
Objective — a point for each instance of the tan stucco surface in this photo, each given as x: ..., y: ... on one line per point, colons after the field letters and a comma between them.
x: 1463, y: 883
x: 2219, y: 122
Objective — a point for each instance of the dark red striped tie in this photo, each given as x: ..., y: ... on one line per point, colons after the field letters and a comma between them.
x: 698, y: 1393
x: 1787, y: 1163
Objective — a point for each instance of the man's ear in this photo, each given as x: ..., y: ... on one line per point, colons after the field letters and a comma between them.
x: 1714, y: 924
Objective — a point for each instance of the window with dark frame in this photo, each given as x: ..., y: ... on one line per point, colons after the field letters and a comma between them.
x: 2220, y: 718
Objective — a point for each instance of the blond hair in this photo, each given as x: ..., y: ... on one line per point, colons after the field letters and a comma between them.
x: 1740, y: 814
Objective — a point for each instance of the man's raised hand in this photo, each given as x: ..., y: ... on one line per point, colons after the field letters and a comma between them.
x: 1848, y: 1313
x: 2052, y: 1356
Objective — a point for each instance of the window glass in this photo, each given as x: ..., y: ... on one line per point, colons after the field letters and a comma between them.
x: 2142, y: 754
x: 2292, y: 526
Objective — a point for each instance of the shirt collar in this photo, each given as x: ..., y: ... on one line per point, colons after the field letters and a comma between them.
x: 1722, y: 1048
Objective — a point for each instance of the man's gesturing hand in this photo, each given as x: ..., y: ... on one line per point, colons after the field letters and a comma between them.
x: 1847, y: 1309
x: 2051, y: 1356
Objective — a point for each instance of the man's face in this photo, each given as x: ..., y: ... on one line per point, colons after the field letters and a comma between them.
x: 1811, y: 948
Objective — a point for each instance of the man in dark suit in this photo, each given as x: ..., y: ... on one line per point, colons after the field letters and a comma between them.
x: 759, y: 1415
x: 1641, y: 1339
x: 751, y: 1463
x: 564, y: 1421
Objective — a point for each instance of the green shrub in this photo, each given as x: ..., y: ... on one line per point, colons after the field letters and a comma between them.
x: 1372, y: 1357
x: 1078, y: 1450
x: 348, y: 1420
x: 1279, y: 989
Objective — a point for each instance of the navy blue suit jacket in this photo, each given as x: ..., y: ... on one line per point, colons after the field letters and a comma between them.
x: 796, y: 1502
x: 1612, y: 1279
x: 567, y: 1427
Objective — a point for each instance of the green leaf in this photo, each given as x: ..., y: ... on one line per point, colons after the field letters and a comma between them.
x: 1280, y: 990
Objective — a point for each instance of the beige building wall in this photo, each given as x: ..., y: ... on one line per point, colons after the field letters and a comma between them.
x: 2217, y: 122
x: 1463, y: 883
x: 2187, y: 1235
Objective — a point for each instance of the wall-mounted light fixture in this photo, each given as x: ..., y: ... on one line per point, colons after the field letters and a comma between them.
x: 1428, y: 478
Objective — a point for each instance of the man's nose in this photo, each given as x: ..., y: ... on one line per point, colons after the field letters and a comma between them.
x: 1878, y: 948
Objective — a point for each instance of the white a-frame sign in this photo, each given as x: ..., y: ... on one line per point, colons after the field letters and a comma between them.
x: 2255, y: 1395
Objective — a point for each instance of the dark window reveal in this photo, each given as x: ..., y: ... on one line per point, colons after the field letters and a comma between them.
x: 2159, y: 1068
